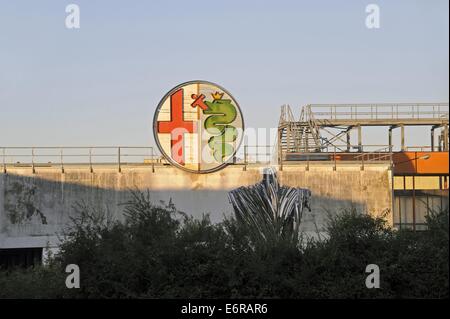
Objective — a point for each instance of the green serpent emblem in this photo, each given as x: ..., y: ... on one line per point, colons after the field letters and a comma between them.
x: 223, y: 112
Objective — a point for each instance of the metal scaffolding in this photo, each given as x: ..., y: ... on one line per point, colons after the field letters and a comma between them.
x: 325, y: 128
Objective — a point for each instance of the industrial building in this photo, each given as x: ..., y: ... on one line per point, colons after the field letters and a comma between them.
x: 420, y: 173
x: 40, y: 186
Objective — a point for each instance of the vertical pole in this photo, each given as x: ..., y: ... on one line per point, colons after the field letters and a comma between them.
x: 153, y: 161
x: 32, y: 160
x: 390, y: 138
x: 118, y: 159
x: 62, y: 162
x: 432, y: 138
x: 359, y: 139
x: 402, y: 133
x: 90, y: 160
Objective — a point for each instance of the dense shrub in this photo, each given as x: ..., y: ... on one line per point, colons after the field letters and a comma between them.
x: 159, y: 252
x: 37, y: 282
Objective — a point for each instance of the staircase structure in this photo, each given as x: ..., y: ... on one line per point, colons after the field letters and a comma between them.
x: 298, y: 136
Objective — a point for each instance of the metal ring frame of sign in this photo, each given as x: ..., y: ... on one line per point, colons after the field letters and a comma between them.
x: 155, y: 129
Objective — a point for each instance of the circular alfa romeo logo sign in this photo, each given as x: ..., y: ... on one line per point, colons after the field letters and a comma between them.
x: 198, y: 126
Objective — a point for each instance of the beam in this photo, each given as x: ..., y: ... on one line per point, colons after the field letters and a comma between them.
x: 402, y: 138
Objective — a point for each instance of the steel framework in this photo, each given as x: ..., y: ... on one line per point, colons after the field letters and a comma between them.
x: 325, y: 127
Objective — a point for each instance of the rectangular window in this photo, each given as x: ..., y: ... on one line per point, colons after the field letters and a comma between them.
x: 411, y: 213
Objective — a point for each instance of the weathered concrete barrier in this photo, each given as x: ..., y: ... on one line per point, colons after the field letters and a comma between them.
x: 34, y: 208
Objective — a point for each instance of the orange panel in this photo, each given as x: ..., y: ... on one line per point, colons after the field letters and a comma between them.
x: 412, y: 163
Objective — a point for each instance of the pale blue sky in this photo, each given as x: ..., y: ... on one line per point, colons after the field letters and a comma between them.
x: 100, y: 85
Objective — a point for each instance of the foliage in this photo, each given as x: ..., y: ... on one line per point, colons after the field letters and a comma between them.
x: 37, y: 282
x: 159, y: 252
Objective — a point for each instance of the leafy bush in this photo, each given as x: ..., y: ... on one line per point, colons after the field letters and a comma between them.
x: 159, y: 252
x: 37, y: 282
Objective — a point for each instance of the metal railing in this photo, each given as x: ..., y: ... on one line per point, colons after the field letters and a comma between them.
x: 380, y: 111
x: 336, y: 156
x: 120, y: 156
x: 267, y: 154
x: 77, y: 155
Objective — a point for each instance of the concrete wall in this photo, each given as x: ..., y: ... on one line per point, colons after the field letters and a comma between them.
x: 36, y: 207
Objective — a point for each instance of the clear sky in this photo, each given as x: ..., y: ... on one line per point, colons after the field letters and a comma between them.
x: 100, y: 84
